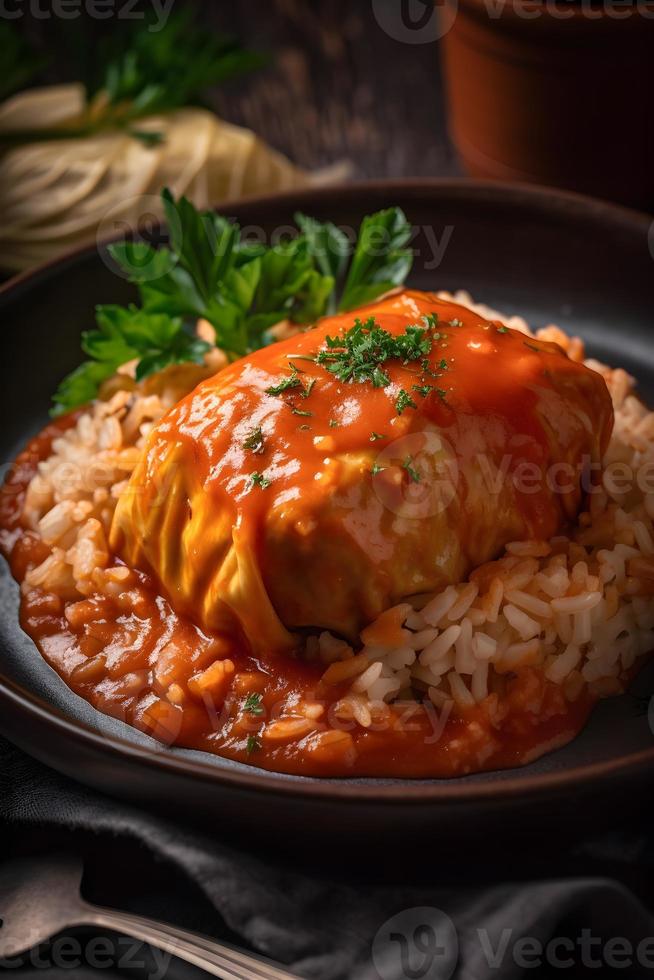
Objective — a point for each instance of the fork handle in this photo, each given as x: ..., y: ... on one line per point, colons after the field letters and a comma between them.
x: 217, y: 959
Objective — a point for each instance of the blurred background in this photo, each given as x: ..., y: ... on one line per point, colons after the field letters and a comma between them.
x: 106, y: 101
x: 339, y: 83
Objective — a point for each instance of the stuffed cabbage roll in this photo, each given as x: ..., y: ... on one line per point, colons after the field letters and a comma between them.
x: 375, y: 457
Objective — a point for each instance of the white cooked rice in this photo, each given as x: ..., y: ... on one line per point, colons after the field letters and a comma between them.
x: 580, y: 608
x: 574, y: 609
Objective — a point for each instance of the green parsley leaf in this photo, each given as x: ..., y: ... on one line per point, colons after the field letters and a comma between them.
x: 376, y: 468
x: 329, y: 247
x: 333, y: 424
x: 502, y: 329
x: 423, y: 390
x: 253, y: 744
x: 131, y: 73
x: 404, y: 401
x: 298, y: 411
x: 160, y: 70
x: 81, y: 385
x: 124, y: 334
x: 255, y: 441
x: 253, y: 704
x: 259, y: 480
x: 290, y: 287
x: 413, y: 473
x: 374, y: 436
x: 381, y: 259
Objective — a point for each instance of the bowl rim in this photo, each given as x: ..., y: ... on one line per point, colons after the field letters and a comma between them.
x: 519, y: 784
x: 359, y: 789
x: 549, y: 199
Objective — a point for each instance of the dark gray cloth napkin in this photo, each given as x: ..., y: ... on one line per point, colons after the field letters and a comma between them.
x: 536, y: 909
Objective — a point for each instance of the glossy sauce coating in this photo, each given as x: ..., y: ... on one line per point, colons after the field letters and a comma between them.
x: 134, y: 656
x: 356, y: 496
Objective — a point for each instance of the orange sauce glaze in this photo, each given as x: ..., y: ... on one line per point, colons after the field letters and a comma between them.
x: 192, y: 513
x: 132, y: 656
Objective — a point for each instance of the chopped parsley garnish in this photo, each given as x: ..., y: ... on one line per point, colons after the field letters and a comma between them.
x: 443, y: 365
x: 413, y: 473
x: 423, y: 390
x: 431, y: 319
x: 292, y: 381
x: 253, y: 744
x: 298, y: 411
x: 441, y: 393
x: 304, y: 428
x: 502, y: 329
x: 255, y: 441
x: 403, y: 401
x: 359, y: 353
x: 253, y: 704
x: 333, y: 424
x: 376, y: 468
x: 374, y: 436
x: 259, y: 480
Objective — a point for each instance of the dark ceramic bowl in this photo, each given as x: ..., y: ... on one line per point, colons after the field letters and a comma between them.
x: 553, y: 257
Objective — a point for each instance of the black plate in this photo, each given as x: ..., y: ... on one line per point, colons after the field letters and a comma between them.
x: 550, y: 256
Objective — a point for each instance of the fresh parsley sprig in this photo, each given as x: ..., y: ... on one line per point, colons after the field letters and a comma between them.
x: 381, y: 259
x: 207, y: 271
x: 124, y: 334
x: 164, y: 69
x: 143, y: 72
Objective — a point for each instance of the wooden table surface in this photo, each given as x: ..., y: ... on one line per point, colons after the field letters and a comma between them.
x: 355, y: 80
x: 342, y: 86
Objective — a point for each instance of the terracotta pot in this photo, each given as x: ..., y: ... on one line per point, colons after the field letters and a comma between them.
x: 554, y: 92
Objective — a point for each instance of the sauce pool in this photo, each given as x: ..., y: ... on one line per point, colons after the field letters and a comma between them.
x: 132, y: 657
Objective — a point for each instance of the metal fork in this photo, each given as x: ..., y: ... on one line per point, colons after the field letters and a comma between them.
x: 40, y: 897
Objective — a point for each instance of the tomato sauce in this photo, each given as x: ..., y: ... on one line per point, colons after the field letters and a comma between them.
x: 327, y: 522
x: 133, y: 656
